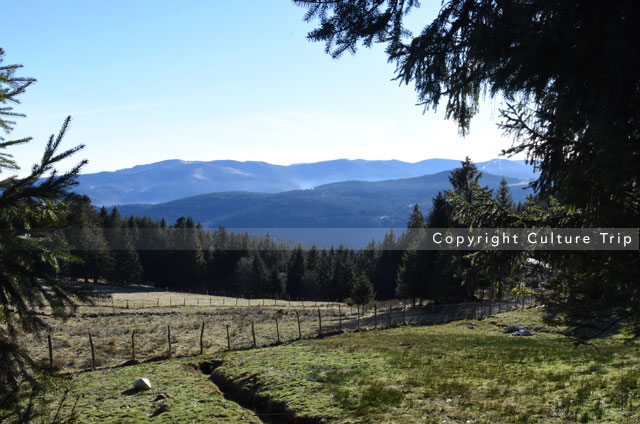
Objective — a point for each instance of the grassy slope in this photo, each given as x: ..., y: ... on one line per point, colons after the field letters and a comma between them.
x: 108, y: 397
x: 448, y: 373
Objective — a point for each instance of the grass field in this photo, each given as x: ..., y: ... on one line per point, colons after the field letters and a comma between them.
x: 446, y: 373
x: 112, y: 324
x: 108, y: 396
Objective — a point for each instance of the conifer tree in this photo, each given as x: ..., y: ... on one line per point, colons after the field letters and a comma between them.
x: 30, y: 253
x: 295, y: 272
x: 362, y: 291
x: 126, y: 267
x: 503, y: 195
x: 86, y: 238
x: 386, y: 269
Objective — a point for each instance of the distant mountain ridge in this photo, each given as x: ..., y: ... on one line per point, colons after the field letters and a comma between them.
x: 175, y: 179
x: 349, y: 204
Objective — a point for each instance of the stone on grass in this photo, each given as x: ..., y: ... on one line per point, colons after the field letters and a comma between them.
x: 142, y: 384
x: 471, y: 326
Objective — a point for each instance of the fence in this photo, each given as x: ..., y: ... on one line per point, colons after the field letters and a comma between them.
x: 251, y: 329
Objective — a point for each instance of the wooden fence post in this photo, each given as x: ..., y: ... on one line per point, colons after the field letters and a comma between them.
x: 277, y: 331
x: 184, y: 301
x: 404, y: 314
x: 389, y: 316
x: 169, y: 338
x: 253, y: 333
x: 299, y: 328
x: 198, y: 300
x: 133, y: 345
x: 339, y: 317
x: 228, y: 338
x: 50, y: 353
x: 375, y: 315
x: 319, y: 323
x: 113, y: 305
x: 358, y: 315
x: 127, y: 303
x: 201, y: 337
x: 93, y: 353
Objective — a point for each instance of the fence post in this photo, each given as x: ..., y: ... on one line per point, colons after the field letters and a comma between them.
x: 169, y: 338
x: 404, y: 314
x: 375, y: 315
x: 389, y: 316
x: 277, y: 331
x: 170, y: 301
x: 236, y: 301
x: 184, y: 301
x: 93, y: 353
x: 319, y: 323
x: 133, y: 345
x: 299, y: 329
x: 50, y: 353
x: 113, y: 305
x: 127, y: 303
x: 339, y: 317
x: 228, y: 338
x: 201, y: 337
x: 253, y: 333
x: 358, y: 315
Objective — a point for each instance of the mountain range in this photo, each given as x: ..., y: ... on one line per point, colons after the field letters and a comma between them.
x: 317, y: 213
x: 175, y: 179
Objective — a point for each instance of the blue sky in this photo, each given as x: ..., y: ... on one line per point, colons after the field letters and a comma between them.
x: 197, y: 80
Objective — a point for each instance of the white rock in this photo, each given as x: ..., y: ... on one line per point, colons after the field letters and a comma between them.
x: 142, y: 384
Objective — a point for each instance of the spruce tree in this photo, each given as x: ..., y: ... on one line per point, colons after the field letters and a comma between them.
x: 126, y: 267
x: 88, y: 243
x: 362, y: 291
x: 503, y: 195
x: 30, y: 253
x: 295, y: 272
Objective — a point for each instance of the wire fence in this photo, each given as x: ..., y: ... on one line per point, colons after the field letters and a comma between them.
x: 108, y: 340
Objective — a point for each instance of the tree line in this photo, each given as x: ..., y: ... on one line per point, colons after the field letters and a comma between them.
x: 184, y: 256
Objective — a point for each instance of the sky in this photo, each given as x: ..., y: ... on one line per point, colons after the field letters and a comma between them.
x: 146, y: 81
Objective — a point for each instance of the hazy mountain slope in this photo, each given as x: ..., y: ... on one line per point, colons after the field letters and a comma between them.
x: 175, y: 179
x: 345, y: 204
